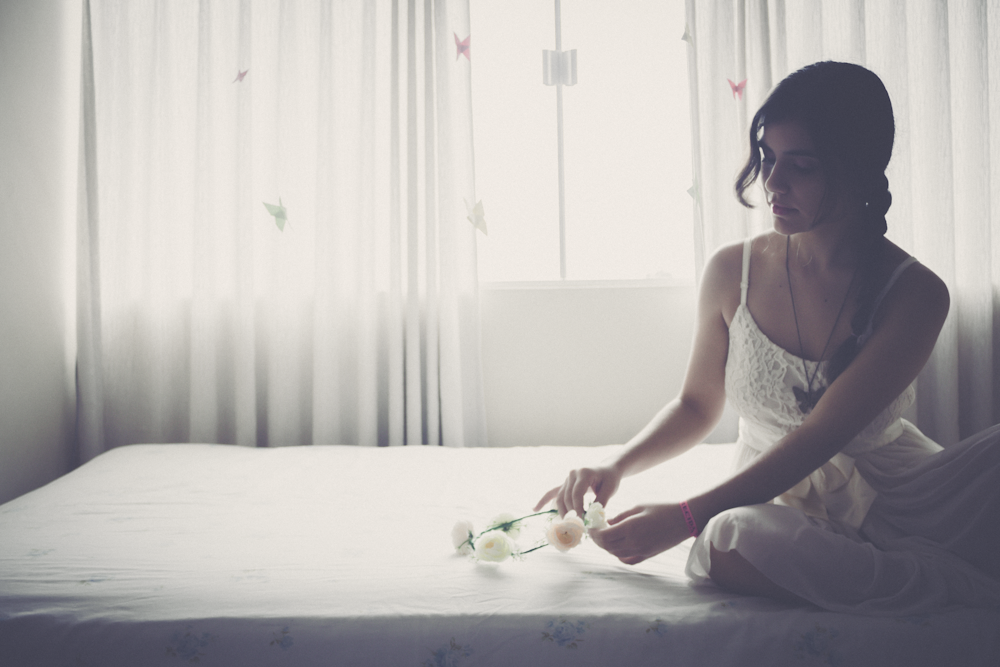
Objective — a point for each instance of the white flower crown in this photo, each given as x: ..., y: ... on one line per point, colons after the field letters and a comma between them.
x: 499, y: 542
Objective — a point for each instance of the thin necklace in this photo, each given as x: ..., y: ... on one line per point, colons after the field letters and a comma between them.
x: 807, y: 398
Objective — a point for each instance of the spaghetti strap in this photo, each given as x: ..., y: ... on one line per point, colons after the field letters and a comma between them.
x: 745, y: 282
x: 863, y: 338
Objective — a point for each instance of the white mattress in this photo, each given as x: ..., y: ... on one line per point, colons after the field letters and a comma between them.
x: 220, y: 555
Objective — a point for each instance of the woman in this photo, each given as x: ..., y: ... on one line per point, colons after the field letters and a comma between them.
x: 815, y: 332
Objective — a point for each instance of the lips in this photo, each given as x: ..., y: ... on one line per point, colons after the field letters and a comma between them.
x: 778, y: 209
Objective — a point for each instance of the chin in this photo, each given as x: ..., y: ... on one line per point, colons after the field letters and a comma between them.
x: 794, y: 224
x: 785, y: 227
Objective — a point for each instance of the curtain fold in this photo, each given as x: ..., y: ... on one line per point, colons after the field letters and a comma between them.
x: 940, y: 62
x: 345, y: 313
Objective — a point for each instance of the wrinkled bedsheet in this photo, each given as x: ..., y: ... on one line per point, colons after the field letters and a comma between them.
x: 335, y: 555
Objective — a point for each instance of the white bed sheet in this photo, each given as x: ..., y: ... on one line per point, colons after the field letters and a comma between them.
x: 330, y: 555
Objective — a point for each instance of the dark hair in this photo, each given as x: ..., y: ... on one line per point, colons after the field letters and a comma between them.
x: 846, y: 110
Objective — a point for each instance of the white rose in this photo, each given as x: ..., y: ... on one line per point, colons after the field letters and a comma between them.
x: 595, y: 517
x: 494, y: 546
x: 461, y: 537
x: 566, y: 534
x: 513, y: 531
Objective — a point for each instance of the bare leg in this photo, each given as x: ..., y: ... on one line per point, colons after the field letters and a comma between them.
x: 733, y: 572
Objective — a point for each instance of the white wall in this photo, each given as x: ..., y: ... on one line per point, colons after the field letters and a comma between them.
x: 583, y: 364
x: 37, y: 153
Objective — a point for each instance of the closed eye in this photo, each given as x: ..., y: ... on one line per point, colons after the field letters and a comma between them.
x: 806, y: 166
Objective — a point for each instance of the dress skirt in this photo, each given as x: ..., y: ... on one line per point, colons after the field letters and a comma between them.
x: 929, y: 541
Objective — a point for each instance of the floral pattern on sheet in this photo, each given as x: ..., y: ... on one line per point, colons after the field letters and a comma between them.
x: 188, y: 645
x: 282, y: 639
x: 818, y: 647
x: 658, y: 628
x: 451, y: 654
x: 564, y: 633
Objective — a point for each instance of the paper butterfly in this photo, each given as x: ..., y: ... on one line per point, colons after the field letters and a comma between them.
x: 279, y: 213
x: 462, y: 46
x: 476, y: 216
x: 239, y: 77
x: 737, y: 88
x: 695, y: 192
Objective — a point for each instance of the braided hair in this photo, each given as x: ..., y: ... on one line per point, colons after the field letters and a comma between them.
x: 846, y: 110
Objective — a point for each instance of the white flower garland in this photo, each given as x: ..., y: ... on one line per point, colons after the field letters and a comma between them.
x: 499, y: 542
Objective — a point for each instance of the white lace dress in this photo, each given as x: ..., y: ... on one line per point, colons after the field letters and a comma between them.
x: 893, y: 524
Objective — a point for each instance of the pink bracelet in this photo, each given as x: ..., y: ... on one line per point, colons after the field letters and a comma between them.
x: 689, y: 519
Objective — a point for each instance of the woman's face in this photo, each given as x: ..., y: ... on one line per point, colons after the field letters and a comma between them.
x: 792, y: 176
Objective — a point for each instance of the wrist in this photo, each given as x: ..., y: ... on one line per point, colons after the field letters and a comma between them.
x: 692, y: 525
x: 616, y: 465
x: 697, y: 506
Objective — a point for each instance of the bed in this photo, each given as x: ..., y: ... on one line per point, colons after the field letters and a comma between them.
x: 334, y: 555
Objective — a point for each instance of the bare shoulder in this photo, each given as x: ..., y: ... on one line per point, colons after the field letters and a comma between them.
x: 919, y: 293
x: 720, y: 284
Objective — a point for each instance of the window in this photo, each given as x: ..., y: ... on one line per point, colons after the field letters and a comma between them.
x: 627, y: 156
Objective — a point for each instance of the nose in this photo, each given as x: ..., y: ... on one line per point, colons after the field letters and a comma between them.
x: 775, y: 181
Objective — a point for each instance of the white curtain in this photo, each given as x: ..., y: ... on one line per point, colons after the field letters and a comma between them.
x: 940, y: 61
x: 199, y: 318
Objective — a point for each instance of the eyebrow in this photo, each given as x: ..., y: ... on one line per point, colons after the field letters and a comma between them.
x: 800, y: 153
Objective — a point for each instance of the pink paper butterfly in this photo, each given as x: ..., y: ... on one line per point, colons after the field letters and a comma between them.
x: 239, y: 77
x: 737, y: 88
x: 462, y: 46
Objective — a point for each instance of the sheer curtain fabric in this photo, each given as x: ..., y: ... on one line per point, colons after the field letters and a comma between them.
x: 201, y: 319
x: 940, y: 62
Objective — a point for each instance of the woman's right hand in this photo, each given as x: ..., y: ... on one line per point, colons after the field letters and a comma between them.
x: 602, y: 480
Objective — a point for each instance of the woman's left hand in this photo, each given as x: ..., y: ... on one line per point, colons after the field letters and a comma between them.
x: 642, y: 532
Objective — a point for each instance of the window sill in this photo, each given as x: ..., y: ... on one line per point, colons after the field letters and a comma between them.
x: 584, y: 284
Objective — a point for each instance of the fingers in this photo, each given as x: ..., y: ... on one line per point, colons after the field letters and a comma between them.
x: 546, y: 498
x: 618, y: 545
x: 632, y: 560
x: 581, y: 485
x: 626, y: 514
x: 603, y: 494
x: 615, y: 538
x: 562, y: 495
x: 571, y: 495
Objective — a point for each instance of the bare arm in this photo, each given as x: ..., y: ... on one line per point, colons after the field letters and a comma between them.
x: 888, y: 363
x: 686, y: 420
x: 912, y: 318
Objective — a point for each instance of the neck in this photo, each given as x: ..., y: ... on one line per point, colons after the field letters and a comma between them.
x: 829, y: 247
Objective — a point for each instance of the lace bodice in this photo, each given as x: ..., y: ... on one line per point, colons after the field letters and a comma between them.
x: 760, y: 377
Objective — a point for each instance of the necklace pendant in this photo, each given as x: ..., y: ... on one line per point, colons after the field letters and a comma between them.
x: 807, y: 399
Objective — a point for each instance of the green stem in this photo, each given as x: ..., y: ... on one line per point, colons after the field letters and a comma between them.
x: 504, y: 526
x: 507, y: 524
x: 535, y: 548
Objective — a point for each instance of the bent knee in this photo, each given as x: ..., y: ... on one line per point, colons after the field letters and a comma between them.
x: 730, y: 570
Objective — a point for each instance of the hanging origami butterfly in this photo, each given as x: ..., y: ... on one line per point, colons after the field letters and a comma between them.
x: 695, y: 192
x: 239, y: 77
x: 279, y: 213
x: 476, y: 216
x: 462, y: 46
x: 737, y: 88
